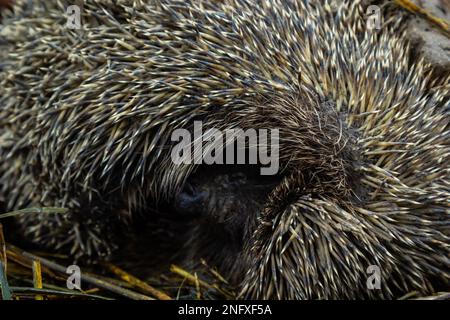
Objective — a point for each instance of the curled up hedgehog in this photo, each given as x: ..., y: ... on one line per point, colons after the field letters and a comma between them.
x: 87, y: 115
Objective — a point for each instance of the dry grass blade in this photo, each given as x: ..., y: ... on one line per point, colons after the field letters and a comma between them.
x: 193, y: 280
x: 189, y: 277
x: 15, y: 255
x: 48, y: 293
x: 37, y: 277
x: 86, y: 277
x: 214, y: 272
x: 412, y: 7
x: 137, y: 282
x: 197, y: 286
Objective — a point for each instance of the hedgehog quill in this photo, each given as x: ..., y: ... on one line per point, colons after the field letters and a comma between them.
x: 86, y: 117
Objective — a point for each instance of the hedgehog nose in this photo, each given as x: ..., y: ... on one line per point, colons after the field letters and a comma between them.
x: 190, y: 201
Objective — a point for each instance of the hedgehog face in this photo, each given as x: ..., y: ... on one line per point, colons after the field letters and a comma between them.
x: 275, y: 225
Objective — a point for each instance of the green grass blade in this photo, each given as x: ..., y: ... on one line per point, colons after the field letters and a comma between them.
x: 4, y: 287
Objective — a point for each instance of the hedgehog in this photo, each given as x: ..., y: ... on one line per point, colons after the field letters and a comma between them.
x: 87, y: 115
